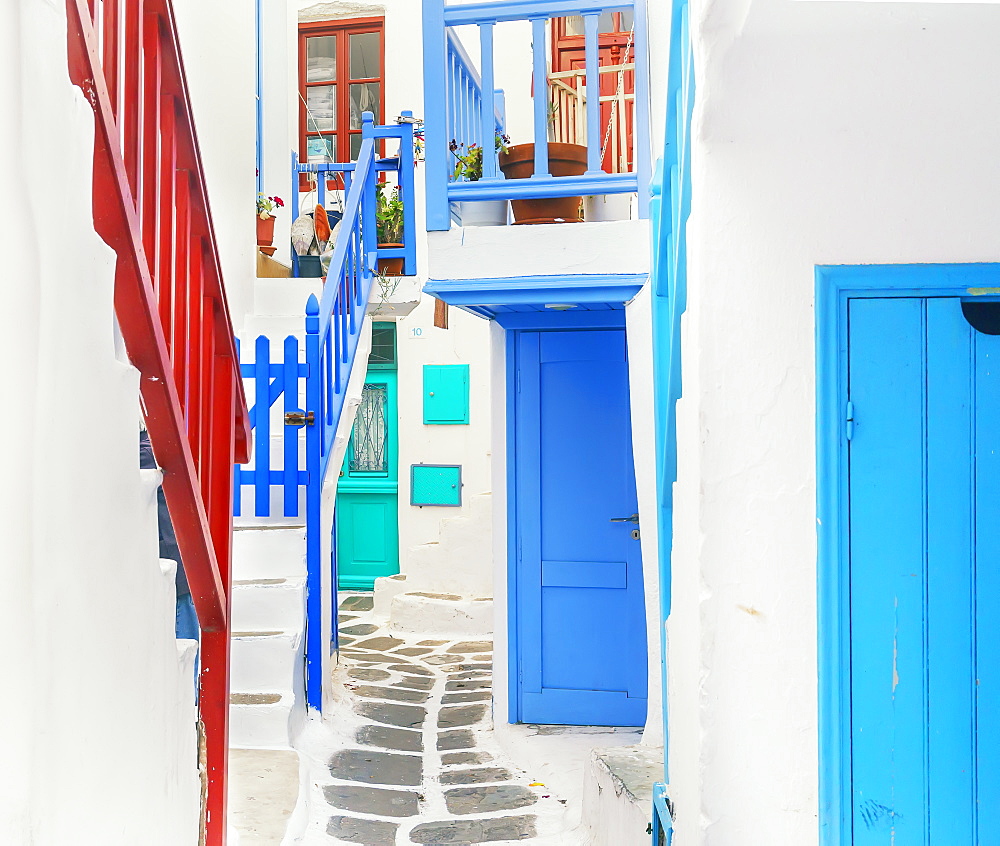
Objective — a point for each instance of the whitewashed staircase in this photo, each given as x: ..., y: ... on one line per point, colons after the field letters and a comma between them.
x: 267, y: 704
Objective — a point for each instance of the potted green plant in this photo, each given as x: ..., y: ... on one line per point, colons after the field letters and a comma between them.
x: 265, y: 221
x: 469, y: 167
x: 518, y: 162
x: 389, y: 224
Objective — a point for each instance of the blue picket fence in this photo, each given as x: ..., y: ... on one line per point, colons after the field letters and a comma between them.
x: 313, y: 389
x: 276, y: 379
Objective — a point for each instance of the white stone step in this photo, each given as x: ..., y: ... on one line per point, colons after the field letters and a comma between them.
x: 266, y: 660
x: 268, y: 604
x: 264, y: 719
x: 269, y: 553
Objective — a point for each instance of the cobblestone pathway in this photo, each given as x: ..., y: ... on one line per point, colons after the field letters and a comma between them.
x: 416, y: 761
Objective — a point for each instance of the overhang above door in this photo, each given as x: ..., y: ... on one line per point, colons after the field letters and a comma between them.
x: 493, y: 297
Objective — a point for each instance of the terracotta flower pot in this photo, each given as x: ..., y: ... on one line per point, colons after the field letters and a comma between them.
x: 265, y: 231
x: 564, y: 160
x: 390, y: 266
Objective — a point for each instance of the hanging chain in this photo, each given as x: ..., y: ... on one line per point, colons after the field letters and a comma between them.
x: 618, y: 95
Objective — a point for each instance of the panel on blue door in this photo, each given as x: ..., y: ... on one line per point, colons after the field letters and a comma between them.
x: 582, y: 642
x: 924, y: 590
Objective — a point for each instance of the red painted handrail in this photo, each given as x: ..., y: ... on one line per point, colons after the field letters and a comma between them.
x: 150, y: 205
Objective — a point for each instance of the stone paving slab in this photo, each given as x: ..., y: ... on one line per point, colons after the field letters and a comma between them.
x: 369, y: 674
x: 468, y: 684
x: 404, y: 716
x: 461, y: 739
x: 469, y: 675
x: 358, y: 603
x: 432, y: 643
x: 485, y: 800
x: 381, y: 802
x: 467, y: 696
x: 444, y: 659
x: 449, y: 758
x: 465, y: 832
x: 414, y: 682
x: 379, y: 644
x: 401, y: 740
x: 472, y: 646
x: 460, y: 715
x: 372, y: 767
x: 412, y: 651
x: 479, y: 775
x: 412, y: 668
x: 359, y: 629
x: 399, y: 694
x: 365, y: 832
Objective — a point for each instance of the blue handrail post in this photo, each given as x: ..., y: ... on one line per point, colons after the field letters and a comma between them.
x: 293, y: 207
x: 487, y: 117
x: 540, y: 95
x: 408, y: 191
x: 436, y: 153
x: 314, y: 489
x: 592, y: 58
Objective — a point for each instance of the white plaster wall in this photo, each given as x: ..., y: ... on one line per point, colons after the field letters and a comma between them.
x: 824, y: 133
x: 218, y: 45
x: 97, y: 716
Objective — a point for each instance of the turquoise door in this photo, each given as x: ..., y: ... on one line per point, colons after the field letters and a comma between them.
x: 923, y: 679
x: 367, y: 533
x: 580, y: 615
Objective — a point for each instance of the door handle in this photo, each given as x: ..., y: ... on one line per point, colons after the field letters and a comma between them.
x: 633, y: 519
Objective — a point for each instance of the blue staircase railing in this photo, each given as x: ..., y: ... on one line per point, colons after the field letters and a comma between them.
x: 333, y: 326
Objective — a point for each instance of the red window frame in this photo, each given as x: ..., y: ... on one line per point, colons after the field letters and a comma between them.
x: 341, y: 30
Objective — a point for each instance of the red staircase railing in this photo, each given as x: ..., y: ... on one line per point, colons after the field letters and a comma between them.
x: 151, y: 206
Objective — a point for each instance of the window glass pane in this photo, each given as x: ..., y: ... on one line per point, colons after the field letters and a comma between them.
x: 321, y: 148
x: 321, y: 112
x: 383, y: 343
x: 366, y: 49
x: 364, y: 98
x: 606, y: 22
x: 355, y: 146
x: 626, y: 21
x: 574, y: 25
x: 321, y: 58
x: 369, y: 448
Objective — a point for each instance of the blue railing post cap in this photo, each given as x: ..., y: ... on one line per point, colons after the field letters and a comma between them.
x: 368, y: 117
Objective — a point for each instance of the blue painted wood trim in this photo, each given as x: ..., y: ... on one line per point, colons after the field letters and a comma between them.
x: 641, y: 136
x: 521, y: 10
x: 551, y: 186
x: 669, y: 207
x: 513, y: 619
x: 662, y: 817
x: 314, y: 639
x: 834, y: 286
x: 259, y: 61
x: 532, y: 290
x: 436, y: 154
x: 540, y: 320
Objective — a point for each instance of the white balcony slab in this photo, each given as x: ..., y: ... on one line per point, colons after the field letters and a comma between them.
x: 557, y: 249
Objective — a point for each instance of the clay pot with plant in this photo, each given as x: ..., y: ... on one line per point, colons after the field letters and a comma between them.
x: 389, y: 225
x: 469, y: 168
x: 265, y: 221
x: 518, y: 162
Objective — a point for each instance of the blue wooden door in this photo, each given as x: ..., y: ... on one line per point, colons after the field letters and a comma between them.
x: 924, y: 538
x: 580, y: 635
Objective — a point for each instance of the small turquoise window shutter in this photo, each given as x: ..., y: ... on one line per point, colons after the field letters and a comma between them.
x: 436, y: 484
x: 446, y: 394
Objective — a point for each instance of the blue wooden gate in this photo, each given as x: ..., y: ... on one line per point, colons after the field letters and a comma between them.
x: 923, y: 668
x: 282, y: 378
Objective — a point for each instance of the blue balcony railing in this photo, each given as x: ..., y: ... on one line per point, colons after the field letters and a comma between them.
x: 455, y: 107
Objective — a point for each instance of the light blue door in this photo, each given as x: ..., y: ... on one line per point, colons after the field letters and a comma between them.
x: 924, y: 541
x: 580, y: 633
